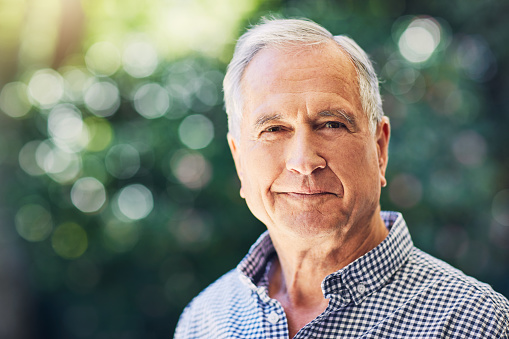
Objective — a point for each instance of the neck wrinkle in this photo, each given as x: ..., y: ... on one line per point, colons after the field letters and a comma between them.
x: 302, y: 264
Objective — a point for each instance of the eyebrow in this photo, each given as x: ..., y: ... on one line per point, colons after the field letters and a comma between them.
x: 261, y: 121
x: 339, y: 113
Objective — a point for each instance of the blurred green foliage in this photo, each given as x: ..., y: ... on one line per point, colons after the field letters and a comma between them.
x: 119, y: 196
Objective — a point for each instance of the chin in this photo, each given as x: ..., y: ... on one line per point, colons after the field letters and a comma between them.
x: 310, y: 225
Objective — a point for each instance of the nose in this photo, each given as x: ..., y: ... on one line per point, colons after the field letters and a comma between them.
x: 303, y: 153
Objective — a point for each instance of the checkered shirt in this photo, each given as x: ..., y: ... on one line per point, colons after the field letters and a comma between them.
x: 393, y: 291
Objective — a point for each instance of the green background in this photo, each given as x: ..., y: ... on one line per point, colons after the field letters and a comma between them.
x: 119, y: 199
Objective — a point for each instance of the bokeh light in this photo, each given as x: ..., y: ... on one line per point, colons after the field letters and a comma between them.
x: 102, y: 98
x: 61, y: 166
x: 76, y: 80
x: 122, y: 161
x: 88, y: 195
x: 14, y: 99
x: 46, y: 88
x: 133, y: 202
x: 34, y: 222
x: 140, y: 58
x: 208, y: 92
x: 27, y: 158
x: 151, y: 101
x: 103, y: 58
x: 191, y: 169
x: 181, y: 83
x: 196, y: 131
x: 474, y: 56
x: 100, y: 134
x: 66, y: 128
x: 407, y: 84
x: 69, y: 240
x: 419, y: 40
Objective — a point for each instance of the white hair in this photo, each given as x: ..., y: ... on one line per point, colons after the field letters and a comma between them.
x: 287, y: 33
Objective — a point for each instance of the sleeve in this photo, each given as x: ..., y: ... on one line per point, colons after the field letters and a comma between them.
x: 184, y: 326
x: 483, y: 317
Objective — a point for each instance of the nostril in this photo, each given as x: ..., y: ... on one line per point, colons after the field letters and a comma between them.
x: 303, y: 153
x: 305, y: 163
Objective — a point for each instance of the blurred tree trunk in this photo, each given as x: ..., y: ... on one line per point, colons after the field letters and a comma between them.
x: 71, y: 31
x: 29, y: 37
x: 16, y: 308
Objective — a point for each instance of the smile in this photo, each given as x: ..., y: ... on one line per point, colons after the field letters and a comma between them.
x: 307, y: 195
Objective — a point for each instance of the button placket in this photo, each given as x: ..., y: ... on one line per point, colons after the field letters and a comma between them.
x: 273, y: 317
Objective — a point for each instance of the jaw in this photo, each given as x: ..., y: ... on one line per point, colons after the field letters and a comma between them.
x: 307, y: 215
x: 317, y: 215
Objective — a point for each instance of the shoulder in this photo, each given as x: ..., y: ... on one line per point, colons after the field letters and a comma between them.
x: 459, y: 302
x: 444, y: 276
x: 207, y: 314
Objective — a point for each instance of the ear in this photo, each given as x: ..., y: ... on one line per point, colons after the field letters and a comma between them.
x: 382, y: 135
x: 234, y: 148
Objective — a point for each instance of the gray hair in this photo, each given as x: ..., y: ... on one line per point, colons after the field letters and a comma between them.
x: 282, y: 33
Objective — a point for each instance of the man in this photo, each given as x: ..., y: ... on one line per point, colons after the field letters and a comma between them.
x: 310, y: 144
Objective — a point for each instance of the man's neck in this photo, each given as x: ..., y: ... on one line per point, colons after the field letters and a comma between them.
x: 301, y: 265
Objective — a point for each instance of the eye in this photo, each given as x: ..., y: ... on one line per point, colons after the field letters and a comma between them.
x: 333, y: 124
x: 273, y: 129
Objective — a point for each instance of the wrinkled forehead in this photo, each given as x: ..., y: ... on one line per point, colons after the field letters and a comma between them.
x: 327, y: 54
x: 293, y: 69
x: 272, y: 65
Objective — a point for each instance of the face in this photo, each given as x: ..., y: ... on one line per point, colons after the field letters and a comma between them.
x: 307, y: 161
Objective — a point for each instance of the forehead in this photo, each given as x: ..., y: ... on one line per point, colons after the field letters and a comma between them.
x: 317, y: 70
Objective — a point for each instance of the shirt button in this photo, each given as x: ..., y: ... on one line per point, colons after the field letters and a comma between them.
x: 273, y: 318
x: 361, y: 288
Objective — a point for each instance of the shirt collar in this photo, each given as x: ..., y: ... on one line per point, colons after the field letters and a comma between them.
x: 354, y: 282
x: 371, y: 272
x: 254, y: 265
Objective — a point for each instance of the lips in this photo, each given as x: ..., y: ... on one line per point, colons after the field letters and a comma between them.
x: 308, y: 194
x: 307, y: 187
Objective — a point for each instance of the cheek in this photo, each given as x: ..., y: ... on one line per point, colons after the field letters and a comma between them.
x: 357, y: 166
x: 261, y: 170
x: 262, y: 166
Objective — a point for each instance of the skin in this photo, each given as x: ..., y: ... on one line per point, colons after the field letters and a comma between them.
x: 310, y: 169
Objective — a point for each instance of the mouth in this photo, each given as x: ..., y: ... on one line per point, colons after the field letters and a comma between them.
x: 314, y: 194
x: 308, y: 189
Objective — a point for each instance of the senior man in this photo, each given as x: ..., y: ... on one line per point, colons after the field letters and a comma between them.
x: 310, y: 144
